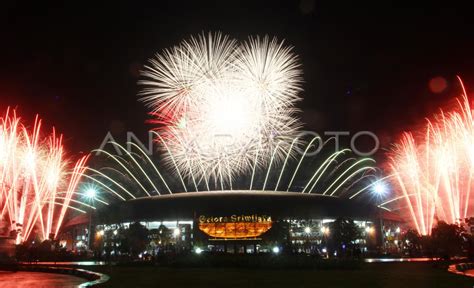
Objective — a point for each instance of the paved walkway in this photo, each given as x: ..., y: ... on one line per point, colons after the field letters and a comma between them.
x: 37, y: 279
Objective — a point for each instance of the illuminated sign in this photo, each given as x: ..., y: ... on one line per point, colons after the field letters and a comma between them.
x: 235, y: 218
x: 235, y: 226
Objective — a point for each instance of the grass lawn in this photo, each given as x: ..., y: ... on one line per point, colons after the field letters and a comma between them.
x: 400, y: 275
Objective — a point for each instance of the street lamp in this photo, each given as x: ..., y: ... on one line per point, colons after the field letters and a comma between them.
x: 325, y: 230
x: 176, y: 232
x: 369, y: 230
x: 91, y: 193
x: 307, y: 231
x: 380, y: 188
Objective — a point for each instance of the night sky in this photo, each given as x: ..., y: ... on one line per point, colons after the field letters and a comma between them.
x: 365, y: 67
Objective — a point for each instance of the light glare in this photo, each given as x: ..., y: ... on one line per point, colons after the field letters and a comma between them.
x: 91, y: 193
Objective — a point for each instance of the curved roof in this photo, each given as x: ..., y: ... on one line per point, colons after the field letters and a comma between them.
x: 221, y: 203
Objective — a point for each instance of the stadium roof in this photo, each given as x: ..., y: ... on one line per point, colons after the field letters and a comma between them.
x: 280, y: 205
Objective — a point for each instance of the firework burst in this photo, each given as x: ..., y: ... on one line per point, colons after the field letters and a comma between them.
x: 35, y: 189
x: 224, y: 107
x: 434, y: 171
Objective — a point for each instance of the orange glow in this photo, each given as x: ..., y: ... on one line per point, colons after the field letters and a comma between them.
x: 235, y: 230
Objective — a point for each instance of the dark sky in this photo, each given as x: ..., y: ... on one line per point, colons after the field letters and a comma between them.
x: 366, y: 67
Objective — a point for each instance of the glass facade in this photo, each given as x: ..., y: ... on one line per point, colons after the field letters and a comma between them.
x: 308, y: 236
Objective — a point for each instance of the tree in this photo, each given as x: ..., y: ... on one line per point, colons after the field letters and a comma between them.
x: 447, y: 240
x: 165, y: 235
x: 342, y: 235
x: 412, y: 241
x: 161, y: 239
x: 470, y: 246
x: 278, y: 235
x: 135, y: 238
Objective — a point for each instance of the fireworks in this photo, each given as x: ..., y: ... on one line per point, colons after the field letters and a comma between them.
x: 134, y: 174
x: 434, y: 172
x: 35, y: 188
x: 223, y: 108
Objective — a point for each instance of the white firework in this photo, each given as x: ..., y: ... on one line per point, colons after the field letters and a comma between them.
x: 224, y: 108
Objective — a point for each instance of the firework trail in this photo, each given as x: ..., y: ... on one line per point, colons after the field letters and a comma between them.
x: 223, y: 108
x: 132, y: 174
x: 35, y: 188
x: 433, y: 171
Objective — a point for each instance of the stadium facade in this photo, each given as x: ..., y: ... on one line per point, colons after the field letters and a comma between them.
x: 234, y: 222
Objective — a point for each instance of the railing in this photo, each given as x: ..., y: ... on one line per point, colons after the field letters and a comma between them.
x: 94, y: 278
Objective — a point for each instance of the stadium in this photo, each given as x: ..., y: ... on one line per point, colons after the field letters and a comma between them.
x: 237, y: 222
x: 234, y: 172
